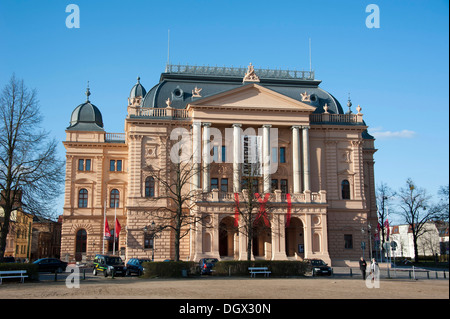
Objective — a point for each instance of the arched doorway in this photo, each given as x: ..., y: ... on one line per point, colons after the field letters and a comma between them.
x: 262, y: 240
x: 227, y: 233
x: 80, y: 244
x: 295, y: 245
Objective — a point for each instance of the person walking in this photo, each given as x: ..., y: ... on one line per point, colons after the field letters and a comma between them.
x: 362, y: 267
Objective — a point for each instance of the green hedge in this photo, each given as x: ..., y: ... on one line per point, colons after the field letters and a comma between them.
x: 169, y: 269
x: 32, y: 269
x: 224, y: 268
x: 277, y: 268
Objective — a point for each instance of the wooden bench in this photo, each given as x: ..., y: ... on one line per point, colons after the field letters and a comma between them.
x: 259, y: 270
x: 13, y: 274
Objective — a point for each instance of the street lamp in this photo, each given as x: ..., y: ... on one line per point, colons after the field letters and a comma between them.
x: 151, y: 232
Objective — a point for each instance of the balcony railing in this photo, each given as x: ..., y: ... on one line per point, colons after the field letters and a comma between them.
x: 306, y: 197
x: 162, y: 113
x: 336, y: 118
x: 115, y: 137
x: 238, y: 72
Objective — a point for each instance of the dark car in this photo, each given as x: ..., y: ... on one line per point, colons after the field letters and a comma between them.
x: 206, y: 265
x: 9, y: 259
x: 109, y: 264
x: 134, y: 266
x: 319, y: 267
x: 50, y: 265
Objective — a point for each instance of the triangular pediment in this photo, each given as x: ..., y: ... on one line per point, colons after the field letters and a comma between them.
x: 252, y: 96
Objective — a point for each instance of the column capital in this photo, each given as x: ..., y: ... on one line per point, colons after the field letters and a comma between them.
x: 206, y: 124
x: 293, y: 127
x: 305, y: 127
x: 236, y: 125
x: 267, y: 125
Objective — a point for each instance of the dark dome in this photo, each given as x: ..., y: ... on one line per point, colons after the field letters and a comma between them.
x: 137, y: 90
x: 86, y: 117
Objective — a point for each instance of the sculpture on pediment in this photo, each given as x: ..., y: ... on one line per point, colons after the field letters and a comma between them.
x: 196, y: 92
x: 305, y: 97
x: 250, y: 76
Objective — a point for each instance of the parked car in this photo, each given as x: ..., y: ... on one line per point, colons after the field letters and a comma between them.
x: 319, y: 267
x: 50, y: 265
x: 134, y: 266
x: 9, y: 259
x: 109, y: 264
x: 206, y: 265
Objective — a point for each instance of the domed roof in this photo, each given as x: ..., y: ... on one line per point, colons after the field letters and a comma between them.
x: 86, y: 117
x: 137, y: 90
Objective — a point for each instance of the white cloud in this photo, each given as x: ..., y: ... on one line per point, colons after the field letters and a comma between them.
x: 379, y: 134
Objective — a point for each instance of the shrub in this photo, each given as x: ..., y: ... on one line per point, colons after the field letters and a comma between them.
x: 170, y: 269
x: 32, y: 269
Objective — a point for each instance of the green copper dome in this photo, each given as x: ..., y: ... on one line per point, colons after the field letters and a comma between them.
x: 86, y: 117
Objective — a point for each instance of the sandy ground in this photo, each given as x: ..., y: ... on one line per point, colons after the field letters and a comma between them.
x: 226, y: 288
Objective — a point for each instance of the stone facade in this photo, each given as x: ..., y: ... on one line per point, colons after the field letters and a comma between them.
x: 316, y: 160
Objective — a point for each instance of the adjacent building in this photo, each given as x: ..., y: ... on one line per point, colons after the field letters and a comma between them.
x: 312, y: 157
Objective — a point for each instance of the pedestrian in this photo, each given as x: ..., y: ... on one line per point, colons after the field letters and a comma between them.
x: 374, y: 269
x: 362, y: 267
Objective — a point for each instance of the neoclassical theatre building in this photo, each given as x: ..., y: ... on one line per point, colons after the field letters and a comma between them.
x: 313, y: 157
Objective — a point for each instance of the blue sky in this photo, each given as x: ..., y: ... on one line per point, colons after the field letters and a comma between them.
x: 398, y: 73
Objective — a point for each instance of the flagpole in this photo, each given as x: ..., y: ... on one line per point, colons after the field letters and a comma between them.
x: 115, y: 230
x: 104, y: 230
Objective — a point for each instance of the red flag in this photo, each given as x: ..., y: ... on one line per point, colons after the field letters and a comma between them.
x: 236, y: 209
x: 386, y: 224
x: 289, y: 205
x: 117, y: 228
x: 107, y: 231
x: 377, y: 232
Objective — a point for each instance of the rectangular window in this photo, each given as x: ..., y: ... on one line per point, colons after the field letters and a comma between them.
x: 87, y: 167
x: 274, y: 155
x: 224, y: 185
x: 274, y: 185
x: 252, y: 146
x: 112, y: 165
x: 284, y: 186
x: 148, y: 241
x: 348, y: 241
x: 215, y: 154
x: 214, y: 183
x: 119, y: 166
x: 81, y: 164
x: 224, y: 154
x: 282, y: 154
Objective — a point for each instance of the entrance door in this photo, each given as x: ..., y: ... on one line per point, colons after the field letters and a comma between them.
x: 80, y: 244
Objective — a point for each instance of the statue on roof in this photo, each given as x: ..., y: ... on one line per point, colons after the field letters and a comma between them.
x: 250, y: 76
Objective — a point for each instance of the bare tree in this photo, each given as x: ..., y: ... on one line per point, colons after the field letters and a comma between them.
x: 31, y: 175
x: 413, y: 208
x: 384, y: 196
x: 254, y: 212
x: 170, y: 207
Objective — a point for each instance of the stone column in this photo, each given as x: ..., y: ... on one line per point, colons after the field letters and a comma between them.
x: 196, y: 153
x: 237, y: 150
x: 306, y: 173
x: 206, y: 157
x: 296, y: 158
x: 266, y: 158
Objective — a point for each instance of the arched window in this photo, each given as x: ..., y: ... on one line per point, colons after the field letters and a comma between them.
x: 114, y: 198
x: 345, y: 189
x: 82, y: 198
x: 149, y: 187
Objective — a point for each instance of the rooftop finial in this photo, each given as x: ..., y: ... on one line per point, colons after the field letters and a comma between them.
x: 88, y: 92
x: 138, y: 79
x: 349, y: 104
